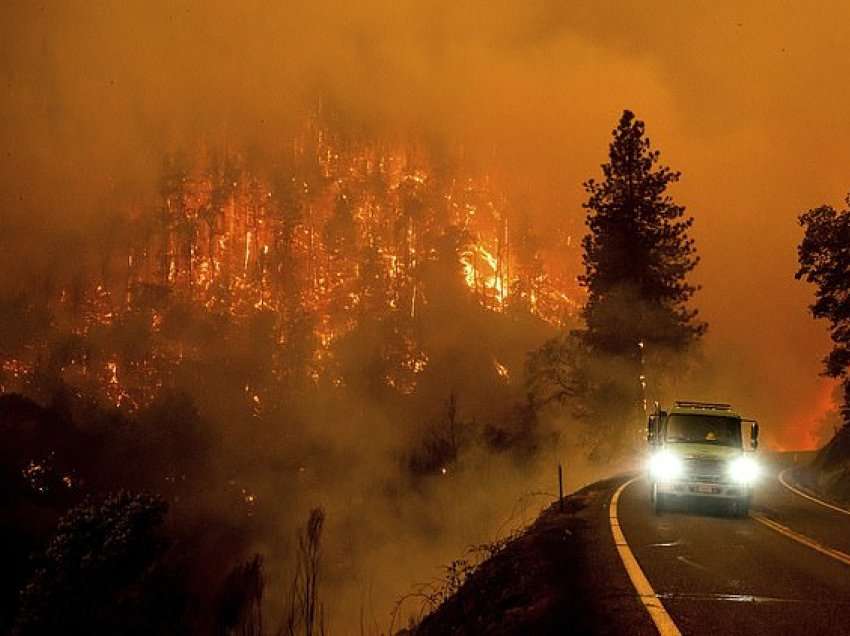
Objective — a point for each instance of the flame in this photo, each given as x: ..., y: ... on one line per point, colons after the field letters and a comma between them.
x: 483, y: 275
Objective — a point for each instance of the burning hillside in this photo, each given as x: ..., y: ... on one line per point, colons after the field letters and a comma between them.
x: 342, y: 322
x: 336, y: 230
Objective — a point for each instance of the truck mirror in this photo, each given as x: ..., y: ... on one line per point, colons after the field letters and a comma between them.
x: 651, y: 428
x: 754, y: 435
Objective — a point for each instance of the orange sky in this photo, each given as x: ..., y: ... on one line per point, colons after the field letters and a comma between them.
x: 746, y: 99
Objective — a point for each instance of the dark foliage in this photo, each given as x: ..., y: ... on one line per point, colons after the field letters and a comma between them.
x: 50, y: 463
x: 824, y: 255
x: 44, y: 462
x: 101, y: 573
x: 239, y: 607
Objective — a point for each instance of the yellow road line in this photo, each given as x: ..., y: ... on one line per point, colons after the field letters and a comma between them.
x: 838, y: 555
x: 647, y: 596
x: 797, y: 491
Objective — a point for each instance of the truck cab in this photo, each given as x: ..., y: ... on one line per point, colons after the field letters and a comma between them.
x: 697, y: 450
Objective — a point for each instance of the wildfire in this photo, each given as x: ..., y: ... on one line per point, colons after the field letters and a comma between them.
x: 115, y: 392
x: 484, y: 275
x: 349, y: 239
x: 14, y: 372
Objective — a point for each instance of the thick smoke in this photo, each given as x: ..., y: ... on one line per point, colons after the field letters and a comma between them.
x: 743, y: 101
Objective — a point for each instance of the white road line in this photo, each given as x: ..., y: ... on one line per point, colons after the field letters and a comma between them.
x: 838, y: 555
x: 647, y: 596
x: 797, y: 491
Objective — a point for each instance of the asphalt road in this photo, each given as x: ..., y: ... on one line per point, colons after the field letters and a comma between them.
x: 716, y: 574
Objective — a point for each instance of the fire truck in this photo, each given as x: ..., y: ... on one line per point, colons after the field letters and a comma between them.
x: 698, y: 450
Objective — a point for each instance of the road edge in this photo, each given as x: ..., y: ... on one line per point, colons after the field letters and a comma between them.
x: 798, y: 491
x: 653, y: 605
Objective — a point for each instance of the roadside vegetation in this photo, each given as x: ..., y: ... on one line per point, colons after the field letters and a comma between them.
x: 824, y: 255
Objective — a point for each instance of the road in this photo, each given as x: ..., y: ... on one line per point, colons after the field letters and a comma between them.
x: 715, y: 574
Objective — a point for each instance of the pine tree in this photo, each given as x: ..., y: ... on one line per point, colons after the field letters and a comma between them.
x: 638, y: 253
x: 637, y: 257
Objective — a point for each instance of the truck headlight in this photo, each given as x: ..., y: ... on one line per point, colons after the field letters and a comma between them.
x: 664, y: 466
x: 744, y: 470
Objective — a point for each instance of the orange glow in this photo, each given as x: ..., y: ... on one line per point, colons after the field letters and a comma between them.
x: 502, y: 370
x: 804, y: 427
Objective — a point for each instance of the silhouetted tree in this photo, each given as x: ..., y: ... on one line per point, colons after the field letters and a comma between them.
x: 306, y: 613
x: 525, y: 289
x: 557, y: 371
x: 239, y: 608
x: 441, y: 442
x: 824, y: 255
x: 637, y: 256
x: 638, y: 253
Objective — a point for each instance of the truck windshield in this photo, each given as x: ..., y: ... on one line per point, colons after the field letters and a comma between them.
x: 704, y: 429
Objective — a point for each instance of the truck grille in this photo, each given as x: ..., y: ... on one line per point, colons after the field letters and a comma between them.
x: 710, y: 471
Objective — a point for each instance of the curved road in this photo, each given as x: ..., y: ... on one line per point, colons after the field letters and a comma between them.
x: 720, y: 575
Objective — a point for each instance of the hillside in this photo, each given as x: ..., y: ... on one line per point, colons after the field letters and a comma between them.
x: 561, y: 575
x: 829, y: 471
